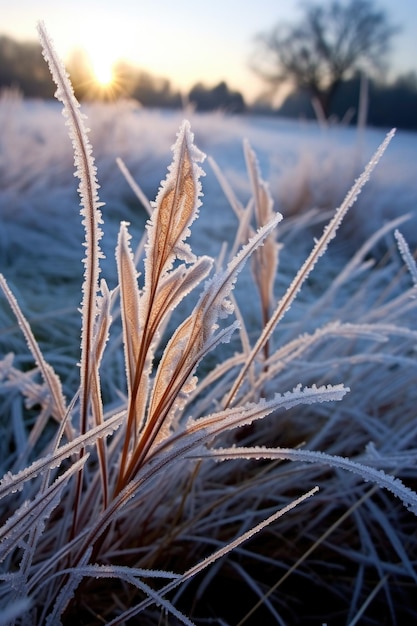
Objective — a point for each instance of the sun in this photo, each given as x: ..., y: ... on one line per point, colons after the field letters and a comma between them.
x: 106, y: 49
x: 102, y: 65
x: 103, y: 74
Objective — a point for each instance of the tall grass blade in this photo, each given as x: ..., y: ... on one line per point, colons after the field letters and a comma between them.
x: 50, y: 377
x: 90, y: 210
x: 319, y: 249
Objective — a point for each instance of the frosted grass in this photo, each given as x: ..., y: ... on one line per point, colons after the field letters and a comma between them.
x: 149, y: 466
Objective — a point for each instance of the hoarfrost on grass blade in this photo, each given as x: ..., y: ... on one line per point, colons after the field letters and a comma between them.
x: 199, y: 432
x: 176, y: 207
x: 50, y: 377
x: 131, y: 576
x: 31, y: 514
x: 408, y: 258
x: 90, y: 210
x: 106, y: 571
x: 66, y: 593
x: 142, y: 197
x: 212, y: 558
x: 129, y: 298
x: 189, y: 344
x: 214, y: 301
x: 368, y: 474
x: 318, y: 250
x: 11, y: 483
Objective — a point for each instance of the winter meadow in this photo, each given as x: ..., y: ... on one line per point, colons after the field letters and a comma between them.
x: 207, y: 385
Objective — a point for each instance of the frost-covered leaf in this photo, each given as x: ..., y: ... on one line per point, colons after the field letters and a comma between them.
x: 243, y: 416
x: 129, y: 303
x: 175, y: 286
x: 130, y: 575
x: 125, y: 572
x: 194, y: 338
x: 176, y: 207
x: 265, y: 259
x: 200, y: 432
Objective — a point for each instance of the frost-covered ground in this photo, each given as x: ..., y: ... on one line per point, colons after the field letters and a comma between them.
x: 306, y: 166
x: 309, y: 170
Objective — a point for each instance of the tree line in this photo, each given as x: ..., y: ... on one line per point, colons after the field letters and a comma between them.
x: 23, y: 67
x: 324, y: 56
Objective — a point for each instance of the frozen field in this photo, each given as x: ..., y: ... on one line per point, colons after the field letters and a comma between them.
x: 307, y: 167
x: 351, y: 332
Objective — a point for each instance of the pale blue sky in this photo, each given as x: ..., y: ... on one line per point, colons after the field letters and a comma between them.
x: 184, y: 40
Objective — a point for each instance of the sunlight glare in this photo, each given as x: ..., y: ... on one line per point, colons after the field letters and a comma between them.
x: 103, y: 48
x: 102, y: 66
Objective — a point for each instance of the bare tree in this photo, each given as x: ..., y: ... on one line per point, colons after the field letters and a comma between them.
x: 328, y: 44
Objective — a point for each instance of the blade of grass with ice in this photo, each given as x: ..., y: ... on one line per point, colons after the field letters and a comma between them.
x: 86, y: 171
x: 319, y: 249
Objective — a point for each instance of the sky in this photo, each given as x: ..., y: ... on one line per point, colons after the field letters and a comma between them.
x: 183, y: 40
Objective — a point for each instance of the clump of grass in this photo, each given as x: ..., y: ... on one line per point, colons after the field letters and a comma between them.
x: 114, y: 511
